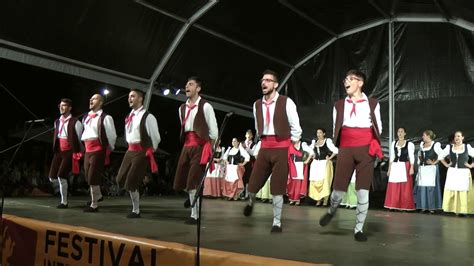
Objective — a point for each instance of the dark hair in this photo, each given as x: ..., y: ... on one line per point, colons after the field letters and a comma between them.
x: 67, y: 101
x: 462, y: 134
x: 271, y: 72
x: 322, y: 129
x: 197, y: 80
x: 357, y: 73
x: 430, y: 134
x: 404, y: 129
x: 139, y: 92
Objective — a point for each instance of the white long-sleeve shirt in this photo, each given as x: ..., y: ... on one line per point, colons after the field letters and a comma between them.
x: 398, y: 150
x: 361, y: 117
x: 234, y: 151
x: 291, y: 112
x: 64, y: 123
x: 447, y: 150
x: 91, y: 131
x: 132, y: 130
x: 329, y: 143
x: 209, y: 116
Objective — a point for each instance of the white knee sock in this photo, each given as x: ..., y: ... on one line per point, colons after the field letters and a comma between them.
x: 63, y: 189
x: 135, y: 196
x: 336, y: 198
x: 195, y: 209
x: 95, y: 196
x: 362, y: 209
x: 277, y: 208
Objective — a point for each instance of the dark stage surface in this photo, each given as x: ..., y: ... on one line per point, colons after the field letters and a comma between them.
x: 394, y: 238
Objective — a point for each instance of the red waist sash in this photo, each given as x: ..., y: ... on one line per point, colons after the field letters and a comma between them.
x: 95, y: 145
x: 148, y: 153
x: 64, y: 145
x: 192, y: 139
x: 357, y: 137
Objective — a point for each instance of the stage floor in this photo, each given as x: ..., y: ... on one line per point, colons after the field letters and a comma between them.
x: 394, y: 238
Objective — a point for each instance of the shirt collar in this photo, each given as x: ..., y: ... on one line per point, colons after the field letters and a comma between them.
x: 197, y: 101
x: 98, y: 112
x: 273, y: 99
x: 136, y: 112
x: 65, y: 118
x: 364, y: 97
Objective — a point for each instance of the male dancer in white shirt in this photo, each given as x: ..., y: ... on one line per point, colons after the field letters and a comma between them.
x: 277, y: 123
x: 99, y: 138
x: 357, y: 128
x: 143, y: 137
x: 198, y: 132
x: 66, y: 147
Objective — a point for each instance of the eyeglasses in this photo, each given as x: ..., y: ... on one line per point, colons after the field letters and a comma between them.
x: 349, y: 79
x: 267, y: 80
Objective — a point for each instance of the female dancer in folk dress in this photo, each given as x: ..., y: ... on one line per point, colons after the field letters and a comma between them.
x: 399, y: 194
x: 427, y: 190
x: 321, y: 170
x: 298, y: 185
x: 236, y: 158
x: 214, y: 182
x: 458, y: 196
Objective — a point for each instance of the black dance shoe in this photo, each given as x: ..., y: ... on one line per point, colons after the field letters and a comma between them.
x: 325, y: 219
x: 360, y: 236
x: 133, y: 215
x: 276, y: 229
x: 248, y: 210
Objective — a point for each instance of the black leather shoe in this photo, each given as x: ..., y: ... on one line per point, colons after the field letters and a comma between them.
x: 62, y: 206
x: 248, y: 210
x: 133, y: 215
x: 90, y: 209
x: 360, y: 236
x: 90, y: 202
x: 191, y: 220
x: 325, y: 219
x: 187, y: 203
x: 276, y: 229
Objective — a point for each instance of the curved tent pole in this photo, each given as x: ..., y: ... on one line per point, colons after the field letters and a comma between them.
x: 173, y: 46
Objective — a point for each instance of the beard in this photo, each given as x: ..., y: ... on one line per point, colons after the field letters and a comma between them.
x: 270, y: 91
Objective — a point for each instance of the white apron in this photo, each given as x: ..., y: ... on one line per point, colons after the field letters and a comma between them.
x: 398, y: 173
x: 427, y: 176
x: 317, y: 170
x: 299, y: 171
x: 457, y: 179
x: 231, y: 173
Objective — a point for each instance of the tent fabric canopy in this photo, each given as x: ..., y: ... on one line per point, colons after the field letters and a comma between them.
x: 232, y: 42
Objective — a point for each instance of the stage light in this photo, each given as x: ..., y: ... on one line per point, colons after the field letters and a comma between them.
x: 165, y: 91
x: 177, y: 91
x: 105, y: 92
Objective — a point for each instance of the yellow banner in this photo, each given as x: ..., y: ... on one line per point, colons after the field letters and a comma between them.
x: 32, y: 242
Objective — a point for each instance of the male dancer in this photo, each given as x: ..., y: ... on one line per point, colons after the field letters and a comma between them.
x: 99, y: 138
x: 357, y: 127
x: 248, y: 145
x: 276, y: 122
x: 142, y: 136
x: 66, y: 148
x: 198, y: 130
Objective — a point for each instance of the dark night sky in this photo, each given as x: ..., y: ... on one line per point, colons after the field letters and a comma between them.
x: 40, y: 91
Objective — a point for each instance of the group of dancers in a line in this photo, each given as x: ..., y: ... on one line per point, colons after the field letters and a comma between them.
x: 357, y: 127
